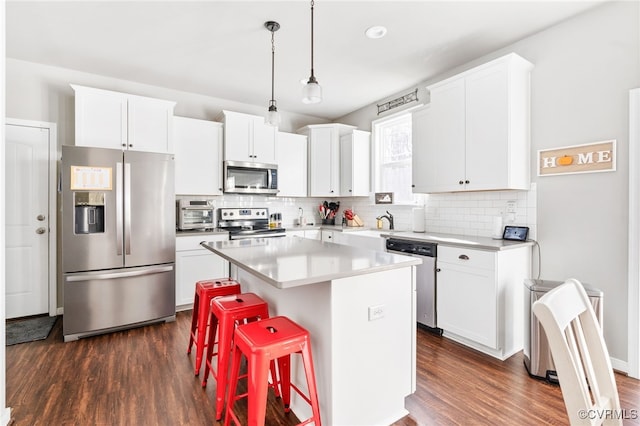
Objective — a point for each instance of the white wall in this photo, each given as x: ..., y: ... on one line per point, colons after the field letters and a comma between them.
x: 42, y: 93
x: 584, y: 69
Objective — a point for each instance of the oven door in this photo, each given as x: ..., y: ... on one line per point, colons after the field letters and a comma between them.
x: 263, y: 233
x: 195, y: 218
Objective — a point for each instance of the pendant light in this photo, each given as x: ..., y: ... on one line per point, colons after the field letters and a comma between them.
x: 273, y: 118
x: 312, y: 92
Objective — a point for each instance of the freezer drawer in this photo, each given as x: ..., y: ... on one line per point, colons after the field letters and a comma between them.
x: 104, y: 301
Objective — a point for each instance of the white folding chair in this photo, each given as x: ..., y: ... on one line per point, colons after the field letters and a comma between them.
x: 580, y: 355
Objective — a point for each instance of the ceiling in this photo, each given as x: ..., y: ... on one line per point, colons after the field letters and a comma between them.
x: 222, y: 49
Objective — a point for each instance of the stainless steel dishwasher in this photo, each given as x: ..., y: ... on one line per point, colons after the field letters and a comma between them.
x: 426, y: 287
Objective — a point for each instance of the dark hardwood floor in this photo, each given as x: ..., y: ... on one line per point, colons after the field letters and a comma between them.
x: 144, y: 377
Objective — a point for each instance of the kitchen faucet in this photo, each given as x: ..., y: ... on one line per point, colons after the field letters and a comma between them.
x: 387, y: 216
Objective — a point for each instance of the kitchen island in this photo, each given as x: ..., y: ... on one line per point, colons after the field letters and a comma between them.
x: 359, y: 307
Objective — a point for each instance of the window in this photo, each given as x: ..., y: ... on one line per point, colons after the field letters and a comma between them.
x: 392, y: 157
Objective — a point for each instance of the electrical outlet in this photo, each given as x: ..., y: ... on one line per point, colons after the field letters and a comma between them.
x: 376, y: 312
x: 511, y: 206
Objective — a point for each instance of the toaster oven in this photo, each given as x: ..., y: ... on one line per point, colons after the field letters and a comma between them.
x: 194, y: 214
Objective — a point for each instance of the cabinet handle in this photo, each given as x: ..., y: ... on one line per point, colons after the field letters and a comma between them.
x: 413, y: 186
x: 437, y: 269
x: 463, y: 257
x: 460, y: 182
x: 466, y: 181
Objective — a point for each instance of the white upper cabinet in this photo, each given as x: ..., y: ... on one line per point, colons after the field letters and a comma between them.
x: 324, y: 158
x: 117, y: 120
x: 198, y: 156
x: 292, y: 165
x: 248, y: 138
x: 474, y: 135
x: 355, y: 164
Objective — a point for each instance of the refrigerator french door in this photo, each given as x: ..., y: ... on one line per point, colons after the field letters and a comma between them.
x: 118, y: 239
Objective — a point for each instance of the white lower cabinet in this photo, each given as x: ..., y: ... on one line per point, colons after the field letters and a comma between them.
x: 311, y: 234
x: 195, y: 263
x: 327, y: 236
x: 480, y: 299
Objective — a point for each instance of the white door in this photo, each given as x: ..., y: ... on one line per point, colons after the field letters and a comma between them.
x: 27, y: 220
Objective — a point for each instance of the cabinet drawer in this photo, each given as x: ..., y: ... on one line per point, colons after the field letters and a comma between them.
x: 467, y: 257
x: 192, y: 242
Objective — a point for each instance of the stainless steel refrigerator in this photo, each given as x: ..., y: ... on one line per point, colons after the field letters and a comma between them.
x: 118, y: 239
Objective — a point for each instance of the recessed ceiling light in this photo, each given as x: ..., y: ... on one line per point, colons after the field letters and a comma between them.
x: 377, y: 31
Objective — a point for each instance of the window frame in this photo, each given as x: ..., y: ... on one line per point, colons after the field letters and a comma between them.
x: 376, y: 154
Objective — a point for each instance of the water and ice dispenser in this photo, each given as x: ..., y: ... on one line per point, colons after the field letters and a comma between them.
x: 88, y: 212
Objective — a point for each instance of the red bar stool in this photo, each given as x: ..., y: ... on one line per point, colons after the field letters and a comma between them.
x: 205, y: 291
x: 226, y: 313
x: 261, y: 342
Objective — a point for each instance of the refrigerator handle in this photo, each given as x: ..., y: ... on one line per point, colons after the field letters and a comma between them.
x: 119, y: 274
x: 119, y: 203
x: 127, y: 208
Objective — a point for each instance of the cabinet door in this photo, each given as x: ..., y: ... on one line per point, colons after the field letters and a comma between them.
x: 193, y: 266
x: 248, y: 138
x: 150, y: 124
x: 355, y: 163
x: 101, y: 118
x: 313, y: 234
x: 264, y: 142
x: 198, y: 156
x: 326, y: 235
x: 195, y: 263
x: 292, y: 165
x: 443, y: 150
x: 487, y: 131
x: 467, y: 301
x: 238, y: 137
x: 324, y: 157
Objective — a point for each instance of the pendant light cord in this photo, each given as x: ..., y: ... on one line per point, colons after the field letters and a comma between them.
x: 273, y: 59
x: 312, y: 79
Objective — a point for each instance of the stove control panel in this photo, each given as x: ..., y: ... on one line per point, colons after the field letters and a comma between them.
x: 243, y: 214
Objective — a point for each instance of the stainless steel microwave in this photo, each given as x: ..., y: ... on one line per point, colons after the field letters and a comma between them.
x: 194, y: 214
x: 250, y: 178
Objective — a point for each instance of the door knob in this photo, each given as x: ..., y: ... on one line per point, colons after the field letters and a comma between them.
x: 41, y: 230
x: 40, y: 217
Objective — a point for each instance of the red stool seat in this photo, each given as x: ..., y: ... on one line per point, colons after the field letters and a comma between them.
x: 262, y: 342
x: 205, y: 291
x: 226, y: 313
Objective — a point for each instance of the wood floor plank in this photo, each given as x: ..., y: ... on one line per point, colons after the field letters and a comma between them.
x: 145, y: 377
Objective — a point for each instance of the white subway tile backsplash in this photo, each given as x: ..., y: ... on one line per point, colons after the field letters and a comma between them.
x: 463, y: 213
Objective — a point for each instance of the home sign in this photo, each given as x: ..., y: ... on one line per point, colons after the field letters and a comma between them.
x: 587, y: 158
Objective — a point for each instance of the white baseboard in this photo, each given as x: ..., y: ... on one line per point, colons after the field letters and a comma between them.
x: 6, y: 416
x: 619, y: 365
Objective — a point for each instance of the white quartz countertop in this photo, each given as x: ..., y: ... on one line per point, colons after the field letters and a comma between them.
x: 294, y: 261
x: 465, y: 241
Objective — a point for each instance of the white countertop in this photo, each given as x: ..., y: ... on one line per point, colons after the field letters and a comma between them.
x: 294, y: 261
x: 455, y: 240
x: 203, y: 233
x: 465, y: 241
